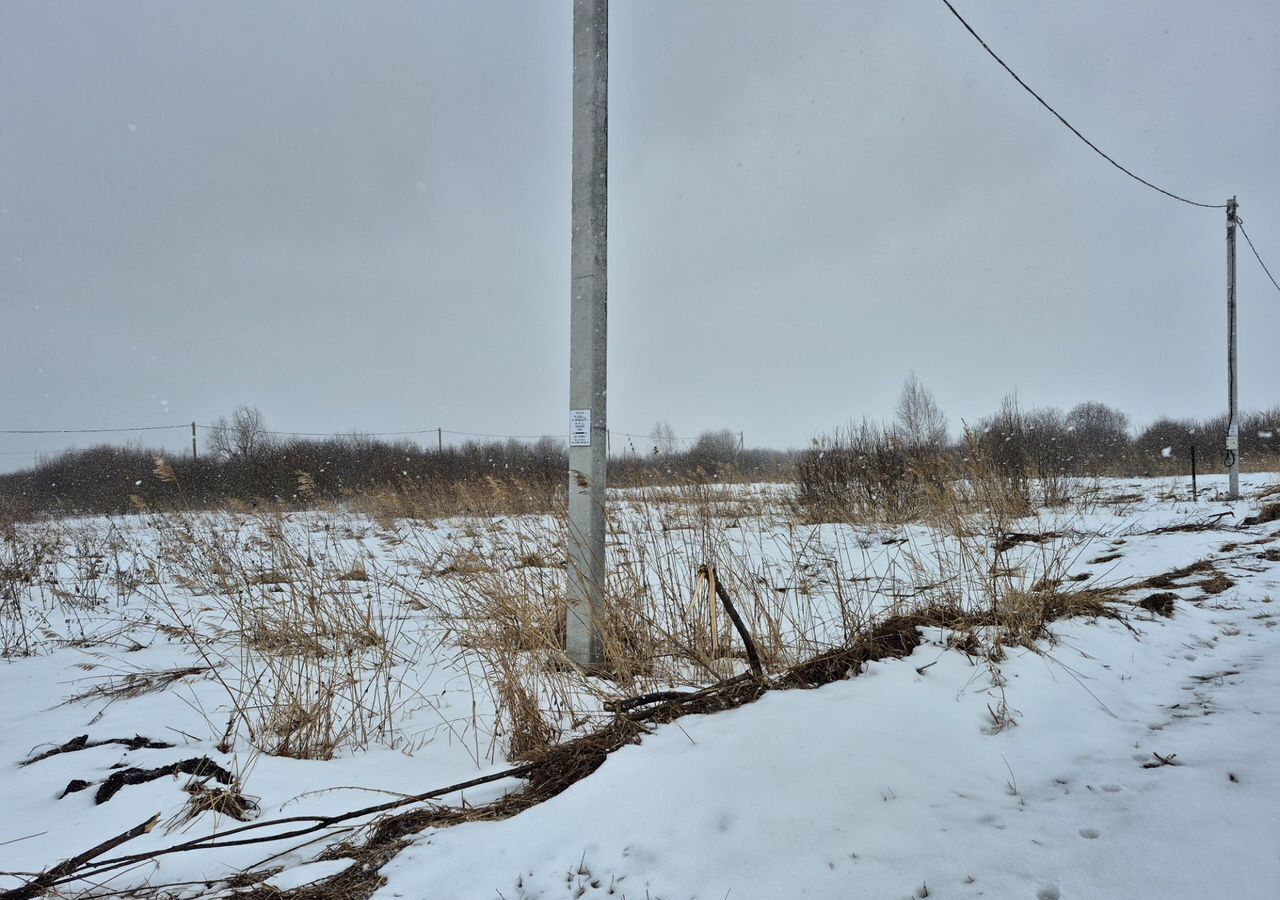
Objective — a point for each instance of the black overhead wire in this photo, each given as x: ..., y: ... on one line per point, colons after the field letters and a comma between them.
x: 1074, y: 130
x: 89, y: 430
x: 1240, y: 225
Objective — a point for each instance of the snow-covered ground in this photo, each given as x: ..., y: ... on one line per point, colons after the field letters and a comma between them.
x: 940, y: 775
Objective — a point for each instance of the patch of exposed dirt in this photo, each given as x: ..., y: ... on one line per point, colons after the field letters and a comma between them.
x: 137, y: 742
x: 1160, y: 603
x: 1014, y: 538
x: 199, y: 766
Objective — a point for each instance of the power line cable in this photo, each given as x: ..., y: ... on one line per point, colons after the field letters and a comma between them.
x: 518, y: 437
x: 317, y: 434
x: 1240, y: 225
x: 648, y: 437
x: 352, y: 433
x: 1074, y: 130
x: 90, y: 430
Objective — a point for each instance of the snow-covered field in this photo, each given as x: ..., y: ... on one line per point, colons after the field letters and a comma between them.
x: 1119, y: 759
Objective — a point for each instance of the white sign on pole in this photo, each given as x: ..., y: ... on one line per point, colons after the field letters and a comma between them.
x: 579, y: 428
x: 1233, y: 437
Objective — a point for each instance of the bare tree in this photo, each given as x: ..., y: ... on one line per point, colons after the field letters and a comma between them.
x: 1100, y: 435
x: 664, y: 439
x: 242, y: 437
x: 714, y: 449
x: 920, y: 421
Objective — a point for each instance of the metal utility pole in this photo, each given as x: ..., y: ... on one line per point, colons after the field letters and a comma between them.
x: 1233, y: 422
x: 588, y: 440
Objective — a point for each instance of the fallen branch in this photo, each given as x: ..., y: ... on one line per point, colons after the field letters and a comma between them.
x: 752, y: 656
x: 1202, y: 525
x: 672, y: 698
x: 46, y: 880
x: 561, y: 766
x: 82, y: 866
x: 1160, y: 762
x: 1011, y: 539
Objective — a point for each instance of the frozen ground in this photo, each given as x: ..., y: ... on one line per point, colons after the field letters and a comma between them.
x: 938, y: 775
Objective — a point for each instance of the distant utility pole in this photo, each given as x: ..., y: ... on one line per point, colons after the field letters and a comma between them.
x: 1233, y: 423
x: 588, y: 433
x: 193, y: 440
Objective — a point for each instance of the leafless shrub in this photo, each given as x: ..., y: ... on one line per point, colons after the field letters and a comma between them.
x: 920, y: 421
x: 243, y: 437
x: 864, y: 473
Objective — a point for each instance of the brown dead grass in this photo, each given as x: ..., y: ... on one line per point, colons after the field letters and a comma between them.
x: 1216, y: 584
x: 1269, y: 512
x: 559, y: 767
x: 1170, y: 579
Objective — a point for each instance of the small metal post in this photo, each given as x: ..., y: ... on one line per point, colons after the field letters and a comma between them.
x: 1233, y: 424
x: 1193, y: 473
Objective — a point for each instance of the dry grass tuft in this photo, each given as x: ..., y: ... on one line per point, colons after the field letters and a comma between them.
x: 1269, y: 512
x: 1170, y: 579
x: 128, y: 685
x: 1216, y: 584
x: 202, y: 798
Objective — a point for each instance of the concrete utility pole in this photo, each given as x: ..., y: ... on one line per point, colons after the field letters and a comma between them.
x: 1233, y: 422
x: 193, y: 440
x: 588, y: 432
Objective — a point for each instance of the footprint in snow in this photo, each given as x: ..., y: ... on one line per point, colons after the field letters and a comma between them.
x: 1048, y: 892
x: 1089, y: 833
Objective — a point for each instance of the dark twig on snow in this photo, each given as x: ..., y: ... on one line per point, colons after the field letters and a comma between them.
x: 752, y: 656
x: 85, y: 865
x: 561, y: 766
x: 43, y: 882
x: 1207, y: 524
x: 671, y: 697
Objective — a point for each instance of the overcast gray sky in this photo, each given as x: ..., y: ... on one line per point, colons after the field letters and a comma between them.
x: 356, y: 215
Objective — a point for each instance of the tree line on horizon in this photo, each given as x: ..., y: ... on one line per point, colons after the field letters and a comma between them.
x: 243, y: 462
